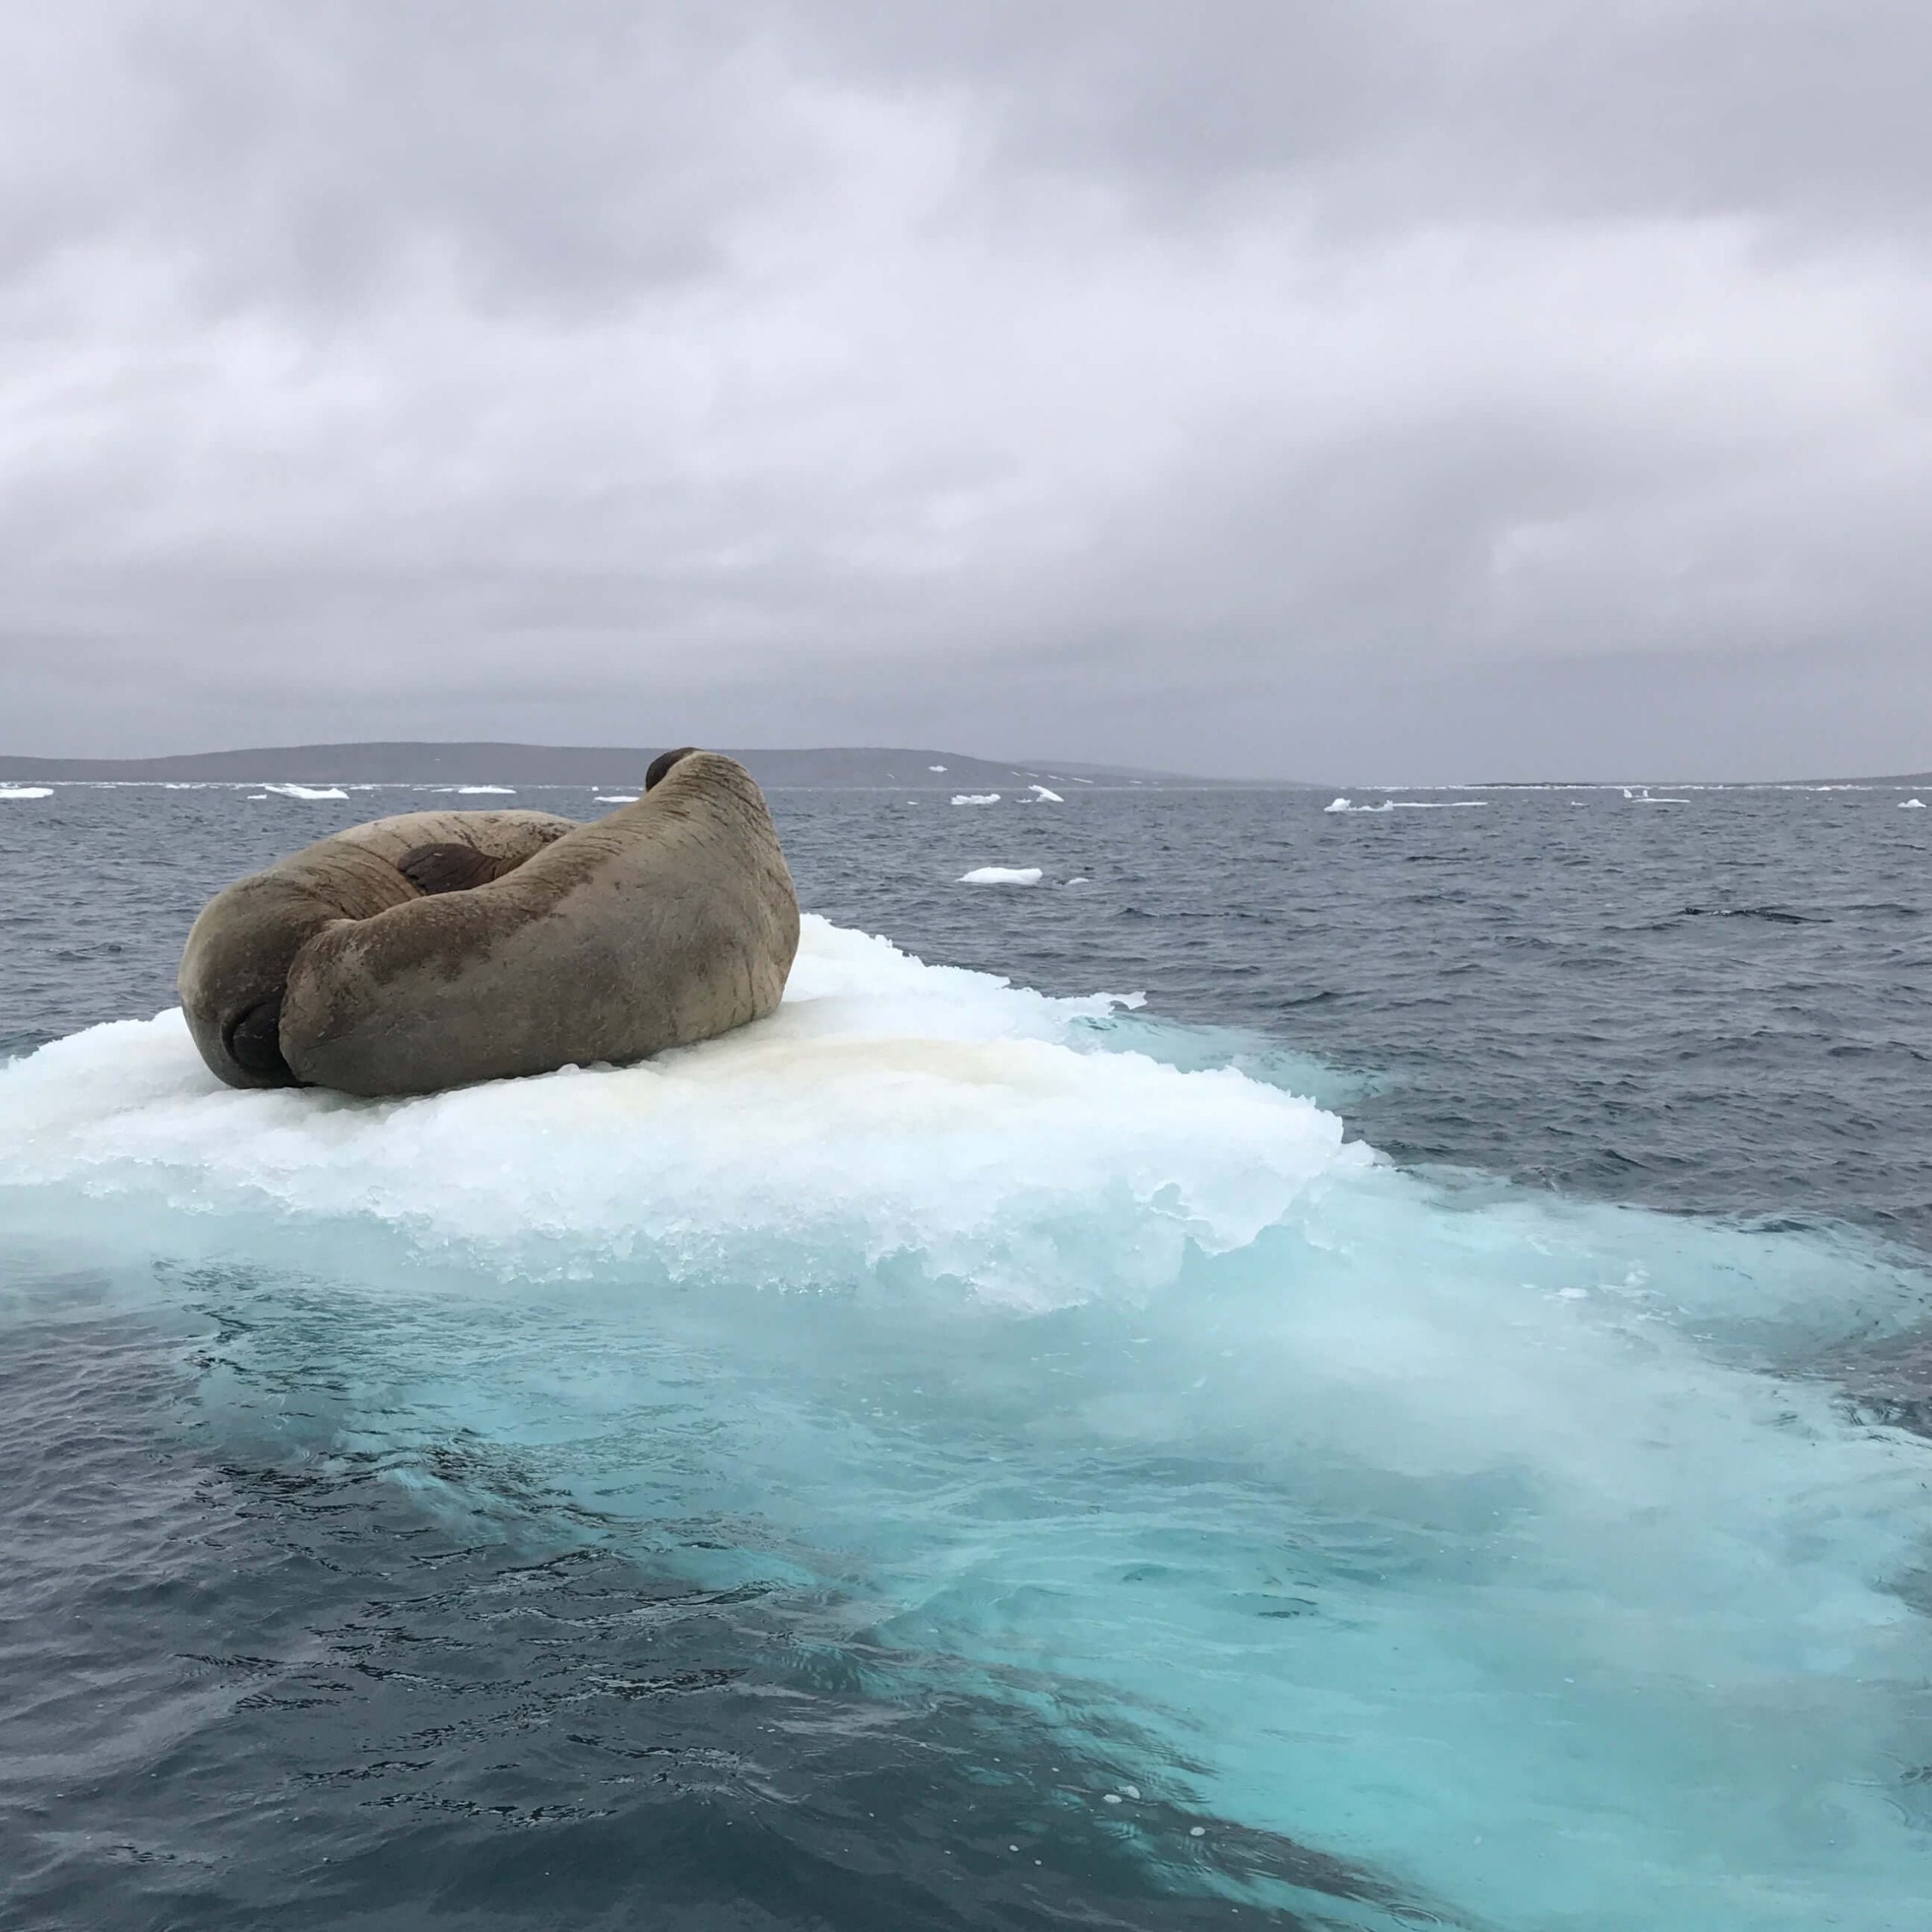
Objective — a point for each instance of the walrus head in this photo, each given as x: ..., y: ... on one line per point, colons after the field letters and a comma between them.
x: 662, y: 762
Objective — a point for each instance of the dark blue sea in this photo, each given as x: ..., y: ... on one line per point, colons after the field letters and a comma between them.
x: 1305, y: 1369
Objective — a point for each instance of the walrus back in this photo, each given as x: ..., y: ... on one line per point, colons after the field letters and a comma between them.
x: 672, y: 921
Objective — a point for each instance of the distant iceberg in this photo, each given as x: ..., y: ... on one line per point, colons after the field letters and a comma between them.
x: 1408, y: 805
x: 1045, y: 797
x: 615, y: 799
x: 25, y: 791
x: 976, y: 798
x: 1002, y: 875
x: 307, y: 791
x: 1912, y: 805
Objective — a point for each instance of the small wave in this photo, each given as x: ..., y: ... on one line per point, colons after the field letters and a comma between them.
x: 1780, y: 915
x: 976, y: 798
x: 1001, y: 875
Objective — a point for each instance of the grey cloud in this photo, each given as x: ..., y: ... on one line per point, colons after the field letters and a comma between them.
x: 1459, y: 109
x: 1270, y: 388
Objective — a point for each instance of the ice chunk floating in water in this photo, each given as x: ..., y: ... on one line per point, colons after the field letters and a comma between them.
x: 1456, y: 1537
x: 1912, y: 805
x: 976, y: 798
x: 307, y: 791
x: 25, y: 791
x: 1001, y: 875
x: 1045, y: 796
x: 1408, y: 805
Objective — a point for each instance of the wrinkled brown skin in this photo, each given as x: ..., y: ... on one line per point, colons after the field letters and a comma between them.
x: 670, y: 920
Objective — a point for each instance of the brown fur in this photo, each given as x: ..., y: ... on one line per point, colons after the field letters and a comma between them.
x: 670, y: 920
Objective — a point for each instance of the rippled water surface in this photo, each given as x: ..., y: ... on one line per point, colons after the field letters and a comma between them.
x: 1421, y: 1420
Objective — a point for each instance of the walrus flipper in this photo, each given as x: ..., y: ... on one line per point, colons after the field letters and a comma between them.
x: 455, y: 867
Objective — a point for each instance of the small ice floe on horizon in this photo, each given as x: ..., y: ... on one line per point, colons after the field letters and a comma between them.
x: 615, y: 799
x: 1641, y: 796
x: 1912, y: 804
x: 1406, y: 805
x: 306, y: 791
x: 478, y: 791
x: 26, y: 791
x: 935, y: 768
x: 256, y: 798
x: 976, y: 798
x: 1001, y: 875
x: 1045, y: 797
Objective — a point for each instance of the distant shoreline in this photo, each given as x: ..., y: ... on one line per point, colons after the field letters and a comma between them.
x: 429, y: 762
x: 853, y: 768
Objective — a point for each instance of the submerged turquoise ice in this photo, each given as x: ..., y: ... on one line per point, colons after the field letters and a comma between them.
x: 1469, y: 1535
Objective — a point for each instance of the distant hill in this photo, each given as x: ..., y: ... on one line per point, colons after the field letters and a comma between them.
x: 837, y: 768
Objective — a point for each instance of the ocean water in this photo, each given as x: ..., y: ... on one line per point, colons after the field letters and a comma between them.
x: 1300, y: 1367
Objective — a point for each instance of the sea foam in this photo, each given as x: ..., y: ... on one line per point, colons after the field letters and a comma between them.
x: 1462, y: 1534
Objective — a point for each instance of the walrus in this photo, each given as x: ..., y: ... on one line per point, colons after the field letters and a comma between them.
x: 437, y: 949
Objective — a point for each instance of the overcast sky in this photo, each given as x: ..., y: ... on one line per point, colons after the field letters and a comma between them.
x: 1343, y: 388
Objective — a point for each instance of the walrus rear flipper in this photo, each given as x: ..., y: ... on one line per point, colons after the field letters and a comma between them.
x: 253, y: 1041
x: 450, y: 868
